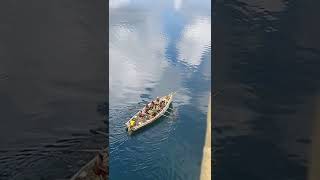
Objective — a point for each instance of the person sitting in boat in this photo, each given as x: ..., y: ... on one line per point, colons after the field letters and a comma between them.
x: 145, y: 109
x: 162, y: 104
x: 157, y: 101
x: 152, y: 105
x: 141, y: 114
x: 132, y: 122
x: 158, y: 106
x: 154, y: 113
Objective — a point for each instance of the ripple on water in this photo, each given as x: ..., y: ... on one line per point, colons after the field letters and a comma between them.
x: 157, y: 48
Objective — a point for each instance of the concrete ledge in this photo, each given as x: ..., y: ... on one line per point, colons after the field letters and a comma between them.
x: 205, y: 173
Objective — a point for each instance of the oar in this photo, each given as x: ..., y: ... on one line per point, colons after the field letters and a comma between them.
x: 177, y: 91
x: 165, y: 116
x: 170, y: 109
x: 143, y: 102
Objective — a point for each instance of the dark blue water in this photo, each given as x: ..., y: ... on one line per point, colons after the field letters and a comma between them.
x: 266, y: 121
x: 157, y: 47
x: 52, y: 87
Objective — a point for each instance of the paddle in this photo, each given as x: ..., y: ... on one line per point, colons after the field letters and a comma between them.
x: 165, y: 116
x: 170, y: 108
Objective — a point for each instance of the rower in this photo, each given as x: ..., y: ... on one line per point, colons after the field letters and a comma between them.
x: 152, y: 105
x: 162, y: 104
x: 157, y: 100
x: 154, y: 113
x: 132, y: 122
x: 158, y: 106
x: 146, y: 108
x: 141, y: 114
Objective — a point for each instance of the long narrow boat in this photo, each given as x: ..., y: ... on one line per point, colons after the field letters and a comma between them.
x: 144, y: 122
x: 87, y: 172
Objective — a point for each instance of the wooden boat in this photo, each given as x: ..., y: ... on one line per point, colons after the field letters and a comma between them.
x: 87, y: 172
x: 140, y: 122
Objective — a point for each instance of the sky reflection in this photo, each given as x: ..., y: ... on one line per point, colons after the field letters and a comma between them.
x: 140, y: 42
x: 156, y: 48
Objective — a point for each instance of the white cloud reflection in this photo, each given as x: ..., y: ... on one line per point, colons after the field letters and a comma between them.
x: 195, y: 39
x: 137, y: 53
x: 136, y: 58
x: 177, y: 4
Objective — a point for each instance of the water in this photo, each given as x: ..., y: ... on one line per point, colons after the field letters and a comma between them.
x: 266, y: 120
x: 52, y: 87
x: 156, y: 48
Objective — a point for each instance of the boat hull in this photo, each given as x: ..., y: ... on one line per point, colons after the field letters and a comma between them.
x: 87, y: 171
x: 150, y: 121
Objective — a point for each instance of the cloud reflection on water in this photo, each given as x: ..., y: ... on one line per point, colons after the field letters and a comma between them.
x: 136, y: 59
x: 177, y: 4
x: 153, y: 51
x: 195, y: 39
x: 137, y: 51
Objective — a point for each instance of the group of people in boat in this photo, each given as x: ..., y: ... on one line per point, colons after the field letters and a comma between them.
x: 150, y: 110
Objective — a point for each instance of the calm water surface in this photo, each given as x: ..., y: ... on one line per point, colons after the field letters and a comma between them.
x: 266, y: 121
x: 156, y: 48
x: 52, y: 87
